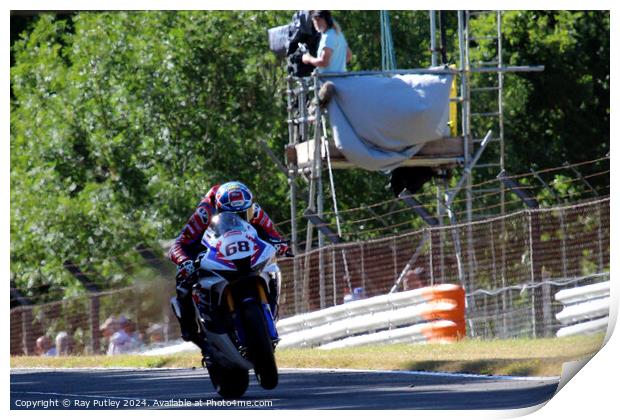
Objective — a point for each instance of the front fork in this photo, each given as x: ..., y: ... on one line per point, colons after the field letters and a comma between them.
x: 266, y: 302
x: 275, y: 284
x: 270, y: 316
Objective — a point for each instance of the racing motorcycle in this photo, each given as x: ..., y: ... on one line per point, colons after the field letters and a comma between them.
x: 230, y: 292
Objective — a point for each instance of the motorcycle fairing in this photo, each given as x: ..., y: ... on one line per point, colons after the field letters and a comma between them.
x: 216, y: 260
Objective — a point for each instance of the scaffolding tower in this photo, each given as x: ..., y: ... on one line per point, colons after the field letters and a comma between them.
x: 310, y: 152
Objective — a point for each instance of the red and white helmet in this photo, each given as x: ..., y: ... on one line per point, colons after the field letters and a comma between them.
x: 234, y: 197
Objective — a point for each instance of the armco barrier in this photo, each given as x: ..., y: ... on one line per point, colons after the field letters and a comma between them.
x: 409, y: 316
x: 586, y: 309
x: 434, y: 331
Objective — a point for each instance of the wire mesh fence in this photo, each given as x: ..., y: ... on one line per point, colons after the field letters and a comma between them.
x: 91, y: 320
x: 551, y: 187
x: 511, y: 267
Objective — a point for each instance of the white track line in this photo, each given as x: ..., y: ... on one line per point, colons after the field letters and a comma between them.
x: 426, y: 373
x: 319, y: 370
x: 121, y: 368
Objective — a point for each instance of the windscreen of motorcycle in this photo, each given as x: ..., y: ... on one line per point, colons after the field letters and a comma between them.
x: 230, y: 238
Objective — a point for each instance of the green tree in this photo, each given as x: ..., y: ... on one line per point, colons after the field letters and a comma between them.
x: 121, y: 121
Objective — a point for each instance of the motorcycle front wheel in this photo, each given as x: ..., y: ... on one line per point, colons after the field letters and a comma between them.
x: 229, y: 383
x: 260, y: 347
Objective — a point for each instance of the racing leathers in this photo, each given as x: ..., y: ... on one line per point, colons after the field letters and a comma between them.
x: 187, y: 247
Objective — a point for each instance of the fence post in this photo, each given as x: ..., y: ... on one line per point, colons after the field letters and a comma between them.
x: 94, y: 323
x: 537, y: 269
x: 547, y: 312
x: 334, y: 282
x: 535, y: 251
x: 94, y: 302
x: 561, y: 216
x: 28, y: 340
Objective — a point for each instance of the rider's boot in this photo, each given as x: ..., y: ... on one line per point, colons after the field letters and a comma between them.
x: 183, y: 309
x: 275, y: 281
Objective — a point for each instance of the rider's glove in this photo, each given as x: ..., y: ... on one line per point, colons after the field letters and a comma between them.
x: 184, y: 270
x: 281, y: 248
x: 184, y: 273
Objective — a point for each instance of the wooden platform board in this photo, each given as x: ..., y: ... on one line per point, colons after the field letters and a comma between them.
x: 446, y: 152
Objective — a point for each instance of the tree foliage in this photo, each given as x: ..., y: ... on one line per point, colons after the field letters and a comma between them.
x: 120, y: 121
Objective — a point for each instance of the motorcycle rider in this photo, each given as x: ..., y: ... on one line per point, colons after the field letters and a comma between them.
x: 229, y: 197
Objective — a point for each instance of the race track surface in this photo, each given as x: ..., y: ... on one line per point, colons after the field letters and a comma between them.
x: 298, y: 389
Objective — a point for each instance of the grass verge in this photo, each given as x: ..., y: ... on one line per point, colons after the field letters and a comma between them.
x: 522, y: 357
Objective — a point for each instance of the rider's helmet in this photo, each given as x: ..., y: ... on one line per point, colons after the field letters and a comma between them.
x: 235, y: 197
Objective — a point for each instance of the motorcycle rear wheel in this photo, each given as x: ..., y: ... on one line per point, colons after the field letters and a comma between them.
x: 260, y: 347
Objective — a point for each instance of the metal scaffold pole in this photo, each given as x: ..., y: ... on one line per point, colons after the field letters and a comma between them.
x: 311, y: 199
x: 500, y: 103
x: 318, y: 176
x: 434, y: 52
x: 292, y: 175
x: 466, y: 133
x: 502, y: 163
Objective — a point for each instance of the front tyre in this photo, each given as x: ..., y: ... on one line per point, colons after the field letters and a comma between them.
x: 259, y: 345
x: 229, y: 383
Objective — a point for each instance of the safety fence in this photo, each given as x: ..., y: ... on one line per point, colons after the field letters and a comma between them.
x: 89, y: 321
x: 511, y: 272
x: 586, y: 309
x: 552, y: 187
x: 422, y: 315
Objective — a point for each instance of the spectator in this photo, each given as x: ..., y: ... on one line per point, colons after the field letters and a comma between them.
x: 45, y: 347
x: 358, y: 294
x: 414, y: 279
x: 109, y: 327
x: 120, y: 343
x: 155, y: 333
x: 333, y: 53
x: 63, y: 343
x: 129, y: 327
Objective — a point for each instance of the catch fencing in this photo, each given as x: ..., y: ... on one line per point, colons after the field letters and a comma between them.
x: 84, y: 318
x: 511, y: 272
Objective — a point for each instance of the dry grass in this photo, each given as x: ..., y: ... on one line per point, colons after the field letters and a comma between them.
x: 523, y: 357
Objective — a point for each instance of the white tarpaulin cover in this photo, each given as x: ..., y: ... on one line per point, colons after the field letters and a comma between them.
x: 379, y: 122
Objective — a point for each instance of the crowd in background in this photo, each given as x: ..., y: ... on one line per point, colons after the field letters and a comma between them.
x: 119, y: 335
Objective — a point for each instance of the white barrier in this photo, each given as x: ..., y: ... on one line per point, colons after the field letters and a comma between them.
x: 365, y: 306
x: 584, y: 293
x: 586, y: 309
x: 589, y: 327
x: 414, y: 334
x: 443, y: 302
